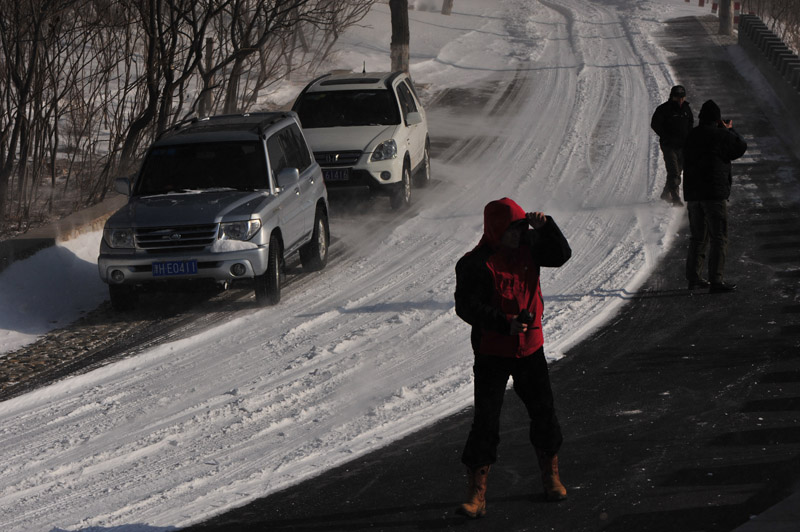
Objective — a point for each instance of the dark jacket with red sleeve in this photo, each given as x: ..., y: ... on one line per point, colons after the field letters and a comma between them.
x: 495, y: 283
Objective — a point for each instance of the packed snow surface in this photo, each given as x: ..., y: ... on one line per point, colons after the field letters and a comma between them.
x: 370, y: 350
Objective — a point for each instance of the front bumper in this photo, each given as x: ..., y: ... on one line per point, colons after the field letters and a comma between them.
x: 369, y: 179
x: 365, y: 174
x: 137, y: 268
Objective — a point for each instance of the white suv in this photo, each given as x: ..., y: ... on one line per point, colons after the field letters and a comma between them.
x: 368, y: 132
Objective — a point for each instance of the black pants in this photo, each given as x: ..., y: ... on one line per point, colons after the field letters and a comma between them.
x: 673, y: 160
x: 532, y: 385
x: 708, y: 223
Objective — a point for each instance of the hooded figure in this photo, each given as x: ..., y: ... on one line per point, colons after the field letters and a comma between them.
x: 708, y: 153
x: 507, y: 280
x: 710, y: 113
x: 498, y: 294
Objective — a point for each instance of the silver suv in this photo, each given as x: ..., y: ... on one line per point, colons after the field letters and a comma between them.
x: 225, y: 198
x: 368, y: 132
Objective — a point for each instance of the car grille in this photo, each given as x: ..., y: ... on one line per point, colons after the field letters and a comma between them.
x: 181, y: 238
x: 337, y: 158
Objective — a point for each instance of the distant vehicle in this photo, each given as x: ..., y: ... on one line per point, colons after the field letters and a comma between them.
x: 221, y: 199
x: 368, y: 132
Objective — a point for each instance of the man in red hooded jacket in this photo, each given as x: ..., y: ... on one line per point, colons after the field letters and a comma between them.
x: 498, y: 293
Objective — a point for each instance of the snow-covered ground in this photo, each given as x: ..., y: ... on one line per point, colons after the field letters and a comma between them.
x: 370, y: 350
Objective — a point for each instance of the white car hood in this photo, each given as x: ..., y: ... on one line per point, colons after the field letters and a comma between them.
x: 363, y: 138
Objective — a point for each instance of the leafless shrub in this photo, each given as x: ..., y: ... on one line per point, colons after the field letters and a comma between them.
x: 782, y: 17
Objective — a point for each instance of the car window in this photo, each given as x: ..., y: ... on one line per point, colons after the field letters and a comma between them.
x: 348, y: 108
x: 287, y: 149
x: 406, y: 99
x: 295, y: 147
x: 277, y: 156
x: 203, y: 166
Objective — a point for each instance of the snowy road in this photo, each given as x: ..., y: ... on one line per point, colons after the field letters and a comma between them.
x: 370, y: 350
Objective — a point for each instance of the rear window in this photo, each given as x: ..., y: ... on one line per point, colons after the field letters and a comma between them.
x: 348, y: 108
x: 203, y: 166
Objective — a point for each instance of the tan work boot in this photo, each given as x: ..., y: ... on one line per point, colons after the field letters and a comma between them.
x: 554, y: 490
x: 476, y: 495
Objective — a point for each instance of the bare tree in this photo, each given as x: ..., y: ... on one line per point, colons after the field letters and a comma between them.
x: 324, y: 33
x: 22, y: 26
x: 782, y: 17
x: 85, y: 85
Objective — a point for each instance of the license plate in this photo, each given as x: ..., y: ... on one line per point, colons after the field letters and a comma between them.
x: 174, y: 267
x: 336, y: 174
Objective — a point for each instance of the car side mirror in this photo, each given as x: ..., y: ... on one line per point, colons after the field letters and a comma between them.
x: 123, y: 185
x: 414, y: 118
x: 288, y: 177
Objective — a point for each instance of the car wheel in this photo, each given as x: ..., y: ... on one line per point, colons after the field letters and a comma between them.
x: 268, y: 284
x: 401, y: 198
x: 123, y: 297
x: 314, y: 255
x: 423, y: 175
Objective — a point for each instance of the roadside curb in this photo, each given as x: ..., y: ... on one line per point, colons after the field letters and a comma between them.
x: 78, y: 223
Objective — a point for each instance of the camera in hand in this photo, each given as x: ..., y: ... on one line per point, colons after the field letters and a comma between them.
x: 525, y: 317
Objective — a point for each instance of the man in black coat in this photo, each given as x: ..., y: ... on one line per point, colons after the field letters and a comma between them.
x: 708, y: 153
x: 672, y: 121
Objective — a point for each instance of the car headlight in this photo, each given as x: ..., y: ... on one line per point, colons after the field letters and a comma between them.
x: 119, y: 237
x: 385, y: 150
x: 239, y: 230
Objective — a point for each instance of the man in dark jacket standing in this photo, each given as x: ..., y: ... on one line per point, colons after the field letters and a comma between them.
x: 672, y: 121
x: 498, y: 293
x: 710, y: 148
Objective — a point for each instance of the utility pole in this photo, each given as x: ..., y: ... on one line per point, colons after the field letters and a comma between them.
x: 400, y: 34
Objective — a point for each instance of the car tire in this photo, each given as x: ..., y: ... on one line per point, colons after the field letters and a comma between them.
x: 268, y: 284
x: 401, y: 196
x: 123, y: 297
x: 314, y: 255
x: 423, y: 175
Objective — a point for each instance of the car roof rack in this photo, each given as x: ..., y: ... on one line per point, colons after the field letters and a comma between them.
x: 349, y: 81
x: 350, y: 78
x: 257, y: 122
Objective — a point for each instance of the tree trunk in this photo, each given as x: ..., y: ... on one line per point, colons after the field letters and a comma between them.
x: 447, y: 7
x: 725, y: 18
x: 205, y: 95
x: 232, y: 91
x: 400, y: 34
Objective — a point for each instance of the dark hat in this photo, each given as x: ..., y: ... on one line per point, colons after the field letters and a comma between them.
x: 710, y: 112
x: 678, y: 91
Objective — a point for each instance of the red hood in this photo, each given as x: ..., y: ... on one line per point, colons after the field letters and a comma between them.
x: 498, y: 215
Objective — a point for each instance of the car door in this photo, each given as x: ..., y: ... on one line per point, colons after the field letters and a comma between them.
x: 416, y: 133
x: 299, y: 156
x: 290, y: 204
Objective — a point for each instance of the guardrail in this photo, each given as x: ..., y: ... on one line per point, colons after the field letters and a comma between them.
x: 779, y: 65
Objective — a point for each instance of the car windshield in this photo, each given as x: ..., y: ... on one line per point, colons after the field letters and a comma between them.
x: 203, y: 166
x: 348, y: 108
